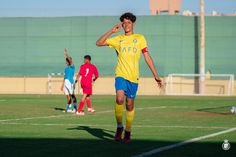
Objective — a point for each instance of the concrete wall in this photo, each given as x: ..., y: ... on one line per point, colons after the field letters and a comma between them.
x: 39, y: 85
x: 103, y: 86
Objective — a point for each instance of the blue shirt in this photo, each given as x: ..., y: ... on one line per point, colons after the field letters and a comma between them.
x: 69, y: 73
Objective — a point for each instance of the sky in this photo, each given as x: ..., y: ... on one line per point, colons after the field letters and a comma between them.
x: 35, y: 8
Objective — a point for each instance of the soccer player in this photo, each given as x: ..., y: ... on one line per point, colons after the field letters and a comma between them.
x: 68, y: 83
x: 86, y: 72
x: 128, y: 47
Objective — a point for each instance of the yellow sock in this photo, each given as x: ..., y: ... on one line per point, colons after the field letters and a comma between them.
x: 119, y: 113
x: 129, y: 119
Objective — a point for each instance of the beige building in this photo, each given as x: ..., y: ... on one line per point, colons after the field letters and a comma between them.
x: 170, y: 6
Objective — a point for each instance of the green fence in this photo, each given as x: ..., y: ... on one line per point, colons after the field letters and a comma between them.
x: 34, y: 46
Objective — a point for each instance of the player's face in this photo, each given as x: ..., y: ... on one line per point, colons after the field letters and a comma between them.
x: 128, y: 26
x: 67, y: 63
x: 86, y: 61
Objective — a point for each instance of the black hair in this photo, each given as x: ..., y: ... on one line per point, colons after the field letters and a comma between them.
x: 87, y: 57
x: 68, y: 60
x: 128, y: 16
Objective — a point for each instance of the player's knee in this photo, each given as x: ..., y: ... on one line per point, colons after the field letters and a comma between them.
x: 120, y: 101
x: 129, y: 107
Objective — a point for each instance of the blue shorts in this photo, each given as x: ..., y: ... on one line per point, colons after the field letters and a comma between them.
x: 128, y: 87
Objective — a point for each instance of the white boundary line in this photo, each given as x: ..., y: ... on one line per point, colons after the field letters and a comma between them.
x: 64, y: 115
x: 50, y: 116
x: 30, y: 118
x: 161, y: 149
x: 107, y: 125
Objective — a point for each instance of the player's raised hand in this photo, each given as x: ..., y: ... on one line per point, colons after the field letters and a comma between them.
x: 159, y: 82
x: 116, y: 28
x: 65, y: 52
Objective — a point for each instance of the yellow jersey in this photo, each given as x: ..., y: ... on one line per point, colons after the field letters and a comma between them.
x: 128, y: 49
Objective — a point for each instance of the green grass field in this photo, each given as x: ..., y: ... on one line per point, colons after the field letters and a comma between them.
x: 34, y: 125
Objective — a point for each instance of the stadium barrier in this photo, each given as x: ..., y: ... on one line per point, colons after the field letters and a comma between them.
x: 103, y: 86
x: 39, y: 85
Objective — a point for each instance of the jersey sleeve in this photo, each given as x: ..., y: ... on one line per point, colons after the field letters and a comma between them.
x: 143, y: 45
x: 113, y: 42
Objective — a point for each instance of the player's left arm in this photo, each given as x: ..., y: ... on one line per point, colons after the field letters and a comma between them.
x: 96, y: 74
x: 79, y: 74
x: 152, y: 67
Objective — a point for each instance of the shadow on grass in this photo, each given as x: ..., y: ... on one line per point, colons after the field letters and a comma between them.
x: 49, y: 147
x: 59, y: 109
x: 96, y: 132
x: 223, y: 110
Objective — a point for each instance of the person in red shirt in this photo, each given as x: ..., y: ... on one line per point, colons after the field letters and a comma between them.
x: 88, y: 74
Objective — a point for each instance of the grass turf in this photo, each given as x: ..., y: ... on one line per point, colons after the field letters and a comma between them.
x: 159, y: 121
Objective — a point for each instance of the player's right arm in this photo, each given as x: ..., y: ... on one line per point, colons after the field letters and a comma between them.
x: 77, y: 78
x: 102, y: 40
x: 79, y: 74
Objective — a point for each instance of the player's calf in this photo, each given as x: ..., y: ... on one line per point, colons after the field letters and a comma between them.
x: 80, y: 109
x: 75, y: 103
x: 69, y: 107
